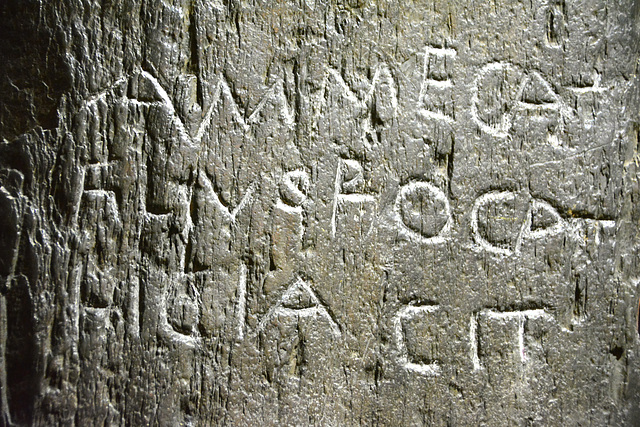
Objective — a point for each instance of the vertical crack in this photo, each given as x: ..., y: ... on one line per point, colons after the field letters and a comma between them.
x: 194, y: 60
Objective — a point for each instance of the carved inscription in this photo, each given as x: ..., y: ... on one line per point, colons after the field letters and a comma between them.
x: 494, y: 96
x: 418, y: 335
x: 423, y: 212
x: 507, y: 99
x: 299, y: 301
x: 383, y: 95
x: 297, y: 334
x: 287, y: 231
x: 435, y: 92
x: 203, y: 285
x: 501, y: 220
x: 321, y: 214
x: 500, y: 337
x: 587, y: 94
x: 351, y: 205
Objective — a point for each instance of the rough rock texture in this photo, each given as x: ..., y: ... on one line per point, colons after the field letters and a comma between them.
x: 227, y: 212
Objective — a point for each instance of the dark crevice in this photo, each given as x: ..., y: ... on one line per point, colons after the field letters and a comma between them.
x: 142, y: 301
x: 194, y: 61
x: 524, y: 306
x: 417, y: 302
x: 196, y: 266
x: 272, y: 264
x: 422, y: 360
x: 298, y: 100
x: 638, y: 319
x: 300, y: 354
x: 617, y: 351
x: 580, y: 295
x: 555, y: 23
x: 188, y: 261
x: 21, y: 353
x: 450, y: 168
x: 188, y: 255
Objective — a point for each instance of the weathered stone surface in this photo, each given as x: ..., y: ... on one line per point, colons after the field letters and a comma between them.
x: 319, y: 213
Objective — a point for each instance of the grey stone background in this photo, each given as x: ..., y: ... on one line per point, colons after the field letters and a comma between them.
x: 319, y: 213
